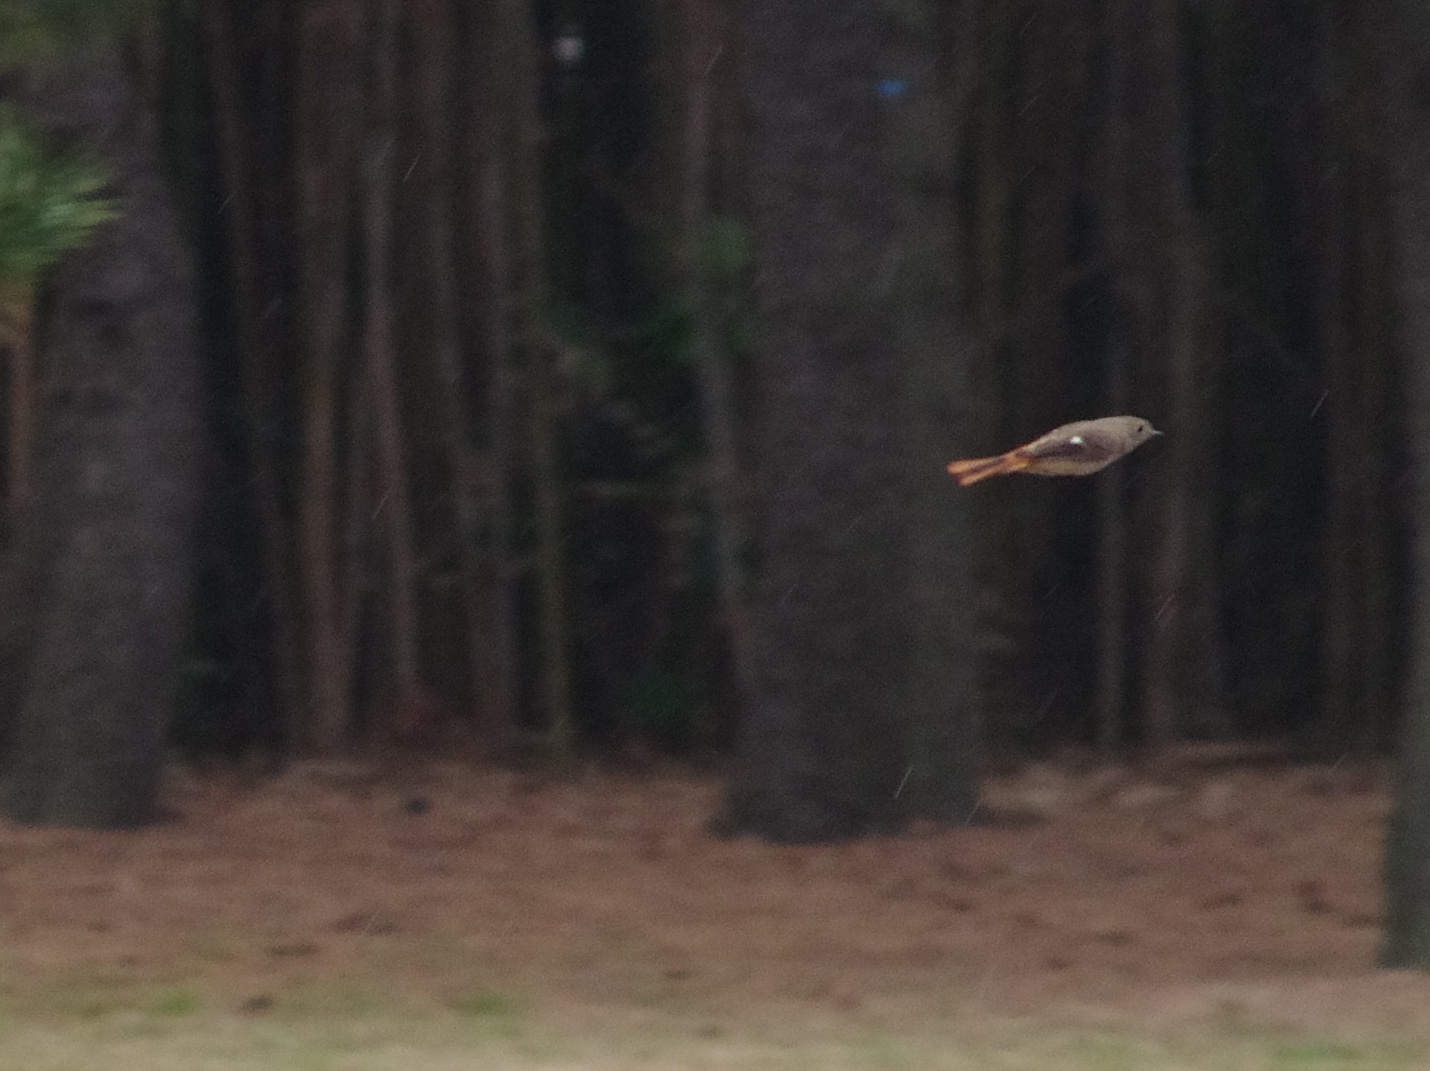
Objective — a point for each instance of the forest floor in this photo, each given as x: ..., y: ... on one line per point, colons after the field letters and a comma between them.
x: 1205, y: 914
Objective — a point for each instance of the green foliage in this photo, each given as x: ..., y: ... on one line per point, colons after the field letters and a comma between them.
x: 33, y: 30
x: 729, y: 252
x: 48, y: 204
x: 729, y: 249
x: 584, y: 361
x: 665, y: 335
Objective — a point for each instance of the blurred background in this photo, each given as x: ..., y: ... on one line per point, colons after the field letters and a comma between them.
x: 479, y: 346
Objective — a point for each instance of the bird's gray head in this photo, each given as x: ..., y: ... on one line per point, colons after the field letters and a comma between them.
x: 1136, y: 430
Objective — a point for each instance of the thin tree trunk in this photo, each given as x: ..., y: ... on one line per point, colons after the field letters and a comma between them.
x: 1356, y: 618
x: 1050, y: 81
x: 1113, y: 595
x: 1380, y: 556
x: 17, y: 312
x: 716, y: 376
x: 357, y: 516
x: 1341, y: 632
x: 17, y: 309
x: 394, y: 505
x: 1003, y: 627
x: 538, y: 373
x: 1178, y: 605
x: 491, y: 624
x: 327, y: 135
x: 253, y: 357
x: 1405, y: 48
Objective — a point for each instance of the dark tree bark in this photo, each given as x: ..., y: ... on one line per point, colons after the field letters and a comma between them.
x: 380, y: 346
x: 1114, y: 587
x: 1406, y: 45
x: 328, y: 130
x: 719, y: 420
x: 538, y: 359
x: 95, y: 609
x: 1041, y: 601
x: 1357, y: 615
x: 483, y: 500
x: 1184, y: 671
x: 863, y: 683
x: 1182, y: 279
x: 1341, y: 624
x: 941, y: 700
x: 255, y: 344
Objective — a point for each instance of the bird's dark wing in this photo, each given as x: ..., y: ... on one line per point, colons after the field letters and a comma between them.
x: 1091, y: 445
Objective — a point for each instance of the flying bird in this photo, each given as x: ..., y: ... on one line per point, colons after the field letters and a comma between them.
x: 1077, y: 449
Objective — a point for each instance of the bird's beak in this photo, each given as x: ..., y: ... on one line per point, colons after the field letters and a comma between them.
x: 1156, y: 432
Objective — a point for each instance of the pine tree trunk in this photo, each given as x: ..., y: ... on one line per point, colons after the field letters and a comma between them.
x: 394, y: 506
x: 1184, y: 657
x: 1114, y: 580
x: 94, y: 612
x: 863, y: 681
x: 17, y: 310
x: 942, y: 700
x: 1406, y: 50
x: 719, y: 419
x: 327, y: 132
x: 538, y: 379
x: 254, y: 344
x: 483, y: 494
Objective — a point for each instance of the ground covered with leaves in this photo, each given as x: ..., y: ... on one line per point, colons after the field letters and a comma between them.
x: 1205, y: 913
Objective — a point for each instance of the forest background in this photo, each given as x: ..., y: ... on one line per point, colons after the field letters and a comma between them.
x: 549, y: 379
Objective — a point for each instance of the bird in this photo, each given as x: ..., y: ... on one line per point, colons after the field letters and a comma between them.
x: 1077, y: 449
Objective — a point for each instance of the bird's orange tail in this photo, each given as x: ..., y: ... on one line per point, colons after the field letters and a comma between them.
x: 980, y: 468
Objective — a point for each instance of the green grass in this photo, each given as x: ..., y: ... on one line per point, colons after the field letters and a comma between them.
x: 81, y: 1024
x: 484, y: 1005
x: 172, y: 1001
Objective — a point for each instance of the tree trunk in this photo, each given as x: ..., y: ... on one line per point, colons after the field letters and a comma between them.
x: 1003, y: 609
x: 863, y: 679
x: 941, y: 700
x: 1381, y: 553
x: 1355, y: 673
x: 1342, y: 624
x: 1114, y: 667
x: 394, y: 508
x: 1406, y: 48
x: 1043, y: 596
x: 17, y: 315
x: 327, y: 133
x: 718, y: 415
x: 1185, y: 662
x: 538, y: 359
x: 94, y: 613
x: 254, y: 345
x: 483, y: 500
